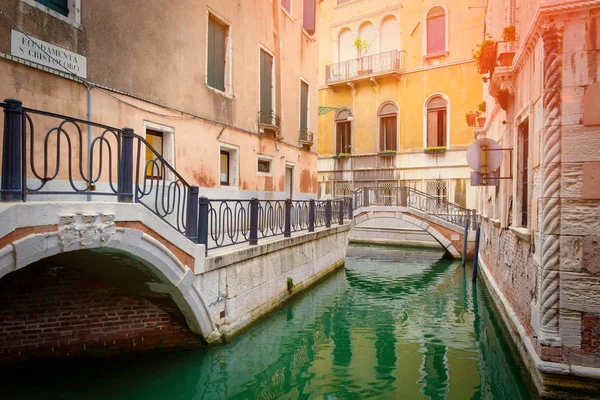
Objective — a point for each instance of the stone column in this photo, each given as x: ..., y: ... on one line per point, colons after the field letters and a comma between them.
x: 551, y: 186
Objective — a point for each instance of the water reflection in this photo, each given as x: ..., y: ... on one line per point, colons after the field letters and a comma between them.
x: 396, y: 323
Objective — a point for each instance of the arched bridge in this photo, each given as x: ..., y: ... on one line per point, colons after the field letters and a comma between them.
x: 446, y: 222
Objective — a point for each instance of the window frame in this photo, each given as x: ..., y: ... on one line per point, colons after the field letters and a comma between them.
x: 168, y: 147
x: 227, y: 73
x: 523, y: 174
x: 302, y: 80
x: 265, y: 159
x: 380, y: 117
x: 425, y: 35
x: 233, y: 166
x: 425, y: 118
x: 73, y: 18
x: 337, y: 122
x: 285, y: 10
x: 273, y: 80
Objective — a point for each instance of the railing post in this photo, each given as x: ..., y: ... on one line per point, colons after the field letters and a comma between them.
x: 125, y: 184
x: 341, y: 212
x: 403, y: 196
x: 465, y: 237
x: 191, y: 229
x: 203, y: 222
x: 365, y: 197
x: 287, y: 223
x: 311, y: 215
x: 12, y: 152
x: 253, y: 221
x: 328, y: 214
x: 473, y: 219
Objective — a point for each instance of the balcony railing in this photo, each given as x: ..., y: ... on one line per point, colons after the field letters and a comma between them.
x: 306, y: 138
x: 376, y: 64
x: 269, y: 120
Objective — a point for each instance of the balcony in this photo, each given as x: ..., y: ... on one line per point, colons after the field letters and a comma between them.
x: 502, y: 82
x: 269, y: 121
x: 389, y: 63
x: 306, y: 138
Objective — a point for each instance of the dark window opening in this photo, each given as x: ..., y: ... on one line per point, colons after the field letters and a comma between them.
x: 436, y: 122
x: 216, y: 48
x: 60, y: 6
x: 264, y: 166
x: 343, y: 136
x: 154, y: 165
x: 524, y: 139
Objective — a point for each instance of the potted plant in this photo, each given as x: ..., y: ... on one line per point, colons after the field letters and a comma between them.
x: 470, y: 118
x: 509, y: 35
x: 387, y: 153
x: 435, y: 149
x: 481, y: 118
x: 484, y: 55
x: 341, y: 156
x: 362, y: 47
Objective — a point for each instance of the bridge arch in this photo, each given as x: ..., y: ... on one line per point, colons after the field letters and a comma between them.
x: 122, y: 258
x: 435, y: 230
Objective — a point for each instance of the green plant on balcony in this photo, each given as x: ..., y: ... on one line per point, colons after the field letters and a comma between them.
x: 342, y: 155
x: 509, y: 33
x: 362, y: 47
x: 387, y: 152
x: 482, y: 108
x: 484, y: 55
x: 470, y: 118
x: 435, y: 149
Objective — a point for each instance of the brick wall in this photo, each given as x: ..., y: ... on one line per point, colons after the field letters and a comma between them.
x: 54, y: 311
x: 509, y: 260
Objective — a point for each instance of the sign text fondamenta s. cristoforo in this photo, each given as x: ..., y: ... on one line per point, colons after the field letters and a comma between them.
x: 47, y: 54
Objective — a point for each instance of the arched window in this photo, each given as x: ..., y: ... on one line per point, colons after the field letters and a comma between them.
x: 437, y: 116
x: 436, y: 30
x: 343, y: 132
x: 388, y: 127
x: 389, y: 38
x: 346, y: 50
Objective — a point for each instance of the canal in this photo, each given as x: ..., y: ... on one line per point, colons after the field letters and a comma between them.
x: 393, y: 324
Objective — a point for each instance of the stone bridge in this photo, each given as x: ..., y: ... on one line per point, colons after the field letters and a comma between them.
x: 108, y: 259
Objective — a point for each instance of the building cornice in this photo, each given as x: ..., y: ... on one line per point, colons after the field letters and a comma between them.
x: 546, y: 10
x: 365, y: 15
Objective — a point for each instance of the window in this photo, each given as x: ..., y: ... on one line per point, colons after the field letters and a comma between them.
x: 154, y: 166
x: 303, y: 106
x: 266, y: 88
x: 65, y: 10
x: 339, y: 2
x: 343, y: 132
x: 388, y: 122
x: 264, y: 165
x: 60, y: 6
x: 523, y: 171
x: 309, y: 16
x: 225, y: 174
x: 287, y: 5
x: 216, y: 54
x: 436, y: 30
x: 436, y: 121
x: 438, y: 189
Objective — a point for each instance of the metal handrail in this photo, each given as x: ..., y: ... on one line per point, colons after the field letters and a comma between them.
x: 388, y: 61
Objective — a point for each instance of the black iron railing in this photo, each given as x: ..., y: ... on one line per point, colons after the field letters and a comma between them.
x: 48, y: 154
x: 306, y: 137
x: 224, y: 223
x: 267, y: 118
x: 375, y: 64
x: 402, y: 196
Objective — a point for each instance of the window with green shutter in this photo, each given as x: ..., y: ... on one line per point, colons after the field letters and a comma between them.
x: 60, y: 6
x: 303, y: 106
x: 266, y: 85
x: 217, y: 51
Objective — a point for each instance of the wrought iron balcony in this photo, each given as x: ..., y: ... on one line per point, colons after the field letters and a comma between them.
x: 387, y: 63
x: 306, y: 138
x: 269, y: 120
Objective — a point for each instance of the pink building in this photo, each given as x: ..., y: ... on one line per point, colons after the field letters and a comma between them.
x: 540, y: 247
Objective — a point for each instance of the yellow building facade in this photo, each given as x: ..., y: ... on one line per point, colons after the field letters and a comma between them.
x: 406, y: 92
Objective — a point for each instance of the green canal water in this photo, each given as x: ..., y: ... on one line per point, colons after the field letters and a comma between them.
x: 393, y: 324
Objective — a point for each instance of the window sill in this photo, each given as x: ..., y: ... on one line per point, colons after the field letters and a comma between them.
x: 309, y: 36
x: 268, y: 174
x: 67, y: 20
x: 286, y: 12
x: 217, y: 91
x: 522, y: 233
x: 345, y: 4
x: 495, y: 222
x: 439, y: 54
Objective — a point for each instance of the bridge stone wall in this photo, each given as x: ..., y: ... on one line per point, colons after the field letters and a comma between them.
x: 242, y: 285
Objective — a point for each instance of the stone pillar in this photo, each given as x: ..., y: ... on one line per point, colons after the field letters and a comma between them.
x: 551, y: 186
